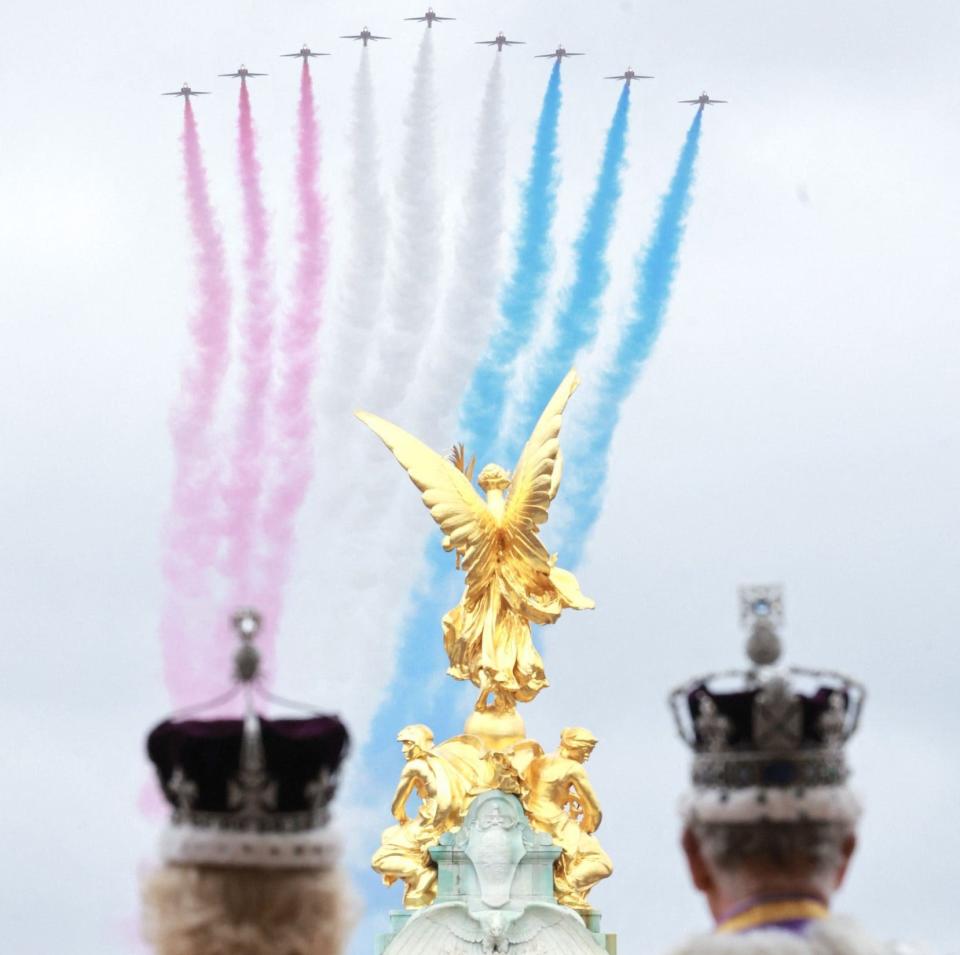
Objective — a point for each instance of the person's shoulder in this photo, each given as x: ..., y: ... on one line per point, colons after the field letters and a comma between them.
x: 844, y: 936
x: 772, y: 942
x: 831, y: 936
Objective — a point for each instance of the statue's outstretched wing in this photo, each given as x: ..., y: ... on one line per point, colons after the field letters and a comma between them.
x: 448, y: 928
x: 445, y: 928
x: 536, y: 479
x: 446, y: 491
x: 550, y: 928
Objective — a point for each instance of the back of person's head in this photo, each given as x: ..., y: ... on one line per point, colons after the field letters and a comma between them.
x: 250, y: 864
x: 731, y: 862
x: 233, y: 910
x: 769, y: 813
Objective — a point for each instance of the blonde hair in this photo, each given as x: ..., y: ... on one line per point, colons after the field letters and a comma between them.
x: 208, y: 910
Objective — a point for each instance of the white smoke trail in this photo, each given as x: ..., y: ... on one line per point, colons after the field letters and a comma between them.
x: 410, y: 304
x: 470, y: 306
x: 417, y: 247
x: 394, y: 557
x: 346, y: 345
x: 364, y: 338
x: 379, y: 533
x: 376, y: 350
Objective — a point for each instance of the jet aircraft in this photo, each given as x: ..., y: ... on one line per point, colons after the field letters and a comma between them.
x: 628, y: 76
x: 558, y: 54
x: 186, y: 92
x: 500, y: 41
x: 243, y: 73
x: 305, y: 53
x: 428, y: 18
x: 702, y: 100
x: 364, y: 35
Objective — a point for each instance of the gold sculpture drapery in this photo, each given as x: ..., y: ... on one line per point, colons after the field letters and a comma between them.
x: 512, y: 581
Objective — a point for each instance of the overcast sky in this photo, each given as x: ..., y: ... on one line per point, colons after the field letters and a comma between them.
x: 797, y: 422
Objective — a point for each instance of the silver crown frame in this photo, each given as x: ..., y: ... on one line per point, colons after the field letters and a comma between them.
x: 251, y: 794
x: 777, y: 754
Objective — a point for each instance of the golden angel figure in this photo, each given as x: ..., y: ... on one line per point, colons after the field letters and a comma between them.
x: 511, y: 579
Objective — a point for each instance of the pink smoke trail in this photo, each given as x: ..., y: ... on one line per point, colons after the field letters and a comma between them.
x: 245, y: 477
x: 292, y: 421
x: 192, y: 528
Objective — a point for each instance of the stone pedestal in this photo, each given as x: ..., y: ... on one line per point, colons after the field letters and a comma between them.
x: 495, y: 881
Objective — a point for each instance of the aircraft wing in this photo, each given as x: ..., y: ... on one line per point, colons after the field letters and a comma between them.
x: 420, y: 19
x: 616, y: 77
x: 576, y: 54
x: 543, y: 56
x: 718, y: 101
x: 178, y: 93
x: 255, y: 74
x: 485, y: 42
x: 444, y: 18
x: 372, y: 37
x: 515, y: 42
x: 693, y: 101
x: 199, y: 92
x: 235, y: 75
x: 291, y: 54
x: 351, y: 36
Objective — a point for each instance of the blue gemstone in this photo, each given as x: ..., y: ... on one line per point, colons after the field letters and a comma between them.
x: 778, y: 773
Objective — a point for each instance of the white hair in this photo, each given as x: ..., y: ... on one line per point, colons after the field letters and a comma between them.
x: 803, y: 848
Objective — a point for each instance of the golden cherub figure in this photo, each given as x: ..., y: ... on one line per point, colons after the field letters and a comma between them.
x: 444, y: 778
x: 511, y: 579
x: 560, y: 800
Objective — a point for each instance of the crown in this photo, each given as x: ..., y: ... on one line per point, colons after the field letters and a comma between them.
x: 250, y: 791
x: 768, y: 741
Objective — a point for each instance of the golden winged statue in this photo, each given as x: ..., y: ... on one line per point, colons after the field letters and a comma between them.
x: 511, y: 579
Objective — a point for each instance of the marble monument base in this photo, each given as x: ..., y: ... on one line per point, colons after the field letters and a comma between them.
x: 494, y: 893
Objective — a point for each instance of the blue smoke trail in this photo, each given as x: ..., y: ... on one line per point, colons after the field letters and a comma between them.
x: 656, y: 269
x: 483, y: 404
x: 575, y: 325
x: 420, y: 691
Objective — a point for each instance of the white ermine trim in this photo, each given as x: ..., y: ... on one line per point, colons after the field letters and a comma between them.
x: 190, y: 845
x: 757, y: 804
x: 834, y: 935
